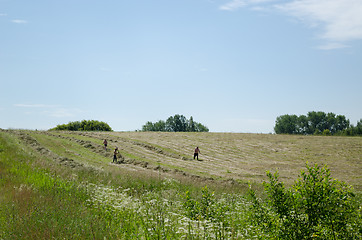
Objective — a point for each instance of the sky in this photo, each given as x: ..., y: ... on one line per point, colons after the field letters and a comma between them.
x: 233, y: 65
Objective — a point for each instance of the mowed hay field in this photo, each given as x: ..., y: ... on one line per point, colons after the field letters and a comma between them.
x: 225, y: 157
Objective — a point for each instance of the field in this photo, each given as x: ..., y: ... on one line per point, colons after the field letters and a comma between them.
x: 224, y: 156
x: 152, y: 165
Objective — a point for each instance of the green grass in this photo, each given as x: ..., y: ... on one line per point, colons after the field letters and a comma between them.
x: 43, y: 199
x: 41, y: 204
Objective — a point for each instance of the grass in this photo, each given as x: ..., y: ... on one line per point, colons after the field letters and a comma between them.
x: 43, y: 199
x: 249, y: 156
x: 42, y: 203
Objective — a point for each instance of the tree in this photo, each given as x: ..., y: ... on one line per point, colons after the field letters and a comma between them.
x: 302, y: 124
x: 160, y: 126
x: 286, y: 124
x: 176, y: 123
x: 331, y: 123
x: 354, y: 130
x: 341, y: 123
x: 201, y: 128
x: 170, y: 124
x: 314, y: 123
x: 191, y: 126
x: 148, y: 127
x: 359, y: 127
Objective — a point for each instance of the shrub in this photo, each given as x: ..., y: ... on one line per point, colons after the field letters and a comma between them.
x: 316, y: 206
x: 326, y: 132
x: 85, y: 125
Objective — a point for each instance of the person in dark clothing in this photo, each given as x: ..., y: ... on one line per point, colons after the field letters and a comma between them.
x: 196, y: 154
x: 105, y: 144
x: 115, y: 155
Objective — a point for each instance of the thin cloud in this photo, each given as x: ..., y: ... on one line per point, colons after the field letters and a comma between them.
x: 236, y: 4
x: 233, y: 5
x: 50, y: 110
x: 60, y: 113
x: 332, y: 45
x: 33, y: 105
x: 19, y: 21
x: 3, y: 14
x: 337, y: 21
x: 340, y: 20
x: 64, y: 112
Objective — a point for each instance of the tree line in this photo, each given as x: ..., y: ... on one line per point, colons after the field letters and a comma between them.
x: 317, y: 123
x: 177, y: 123
x: 85, y: 125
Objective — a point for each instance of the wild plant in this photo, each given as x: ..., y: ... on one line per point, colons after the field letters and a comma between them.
x: 316, y: 206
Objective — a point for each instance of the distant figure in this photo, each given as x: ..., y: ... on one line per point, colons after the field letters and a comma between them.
x: 115, y: 155
x: 196, y: 154
x: 105, y: 144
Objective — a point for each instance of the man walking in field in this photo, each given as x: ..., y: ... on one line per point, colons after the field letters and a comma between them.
x: 105, y: 144
x: 115, y: 155
x: 196, y: 154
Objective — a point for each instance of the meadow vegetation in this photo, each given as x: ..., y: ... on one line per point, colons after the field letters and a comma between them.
x: 61, y: 185
x: 84, y: 125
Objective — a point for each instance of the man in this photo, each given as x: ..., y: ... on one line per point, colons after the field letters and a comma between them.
x: 115, y: 155
x: 105, y: 144
x: 196, y: 154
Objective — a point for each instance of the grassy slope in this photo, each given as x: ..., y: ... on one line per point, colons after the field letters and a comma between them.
x: 248, y: 156
x: 44, y: 177
x: 223, y: 155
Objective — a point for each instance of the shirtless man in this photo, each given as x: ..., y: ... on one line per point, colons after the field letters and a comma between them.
x: 115, y: 155
x: 196, y: 154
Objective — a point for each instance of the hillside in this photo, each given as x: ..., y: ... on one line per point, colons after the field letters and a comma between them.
x: 63, y: 185
x: 226, y: 157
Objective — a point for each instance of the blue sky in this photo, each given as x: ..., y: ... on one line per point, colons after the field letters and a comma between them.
x: 234, y: 65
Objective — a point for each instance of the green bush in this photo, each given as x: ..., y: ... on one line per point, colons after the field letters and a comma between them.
x: 85, y: 125
x: 326, y: 132
x: 315, y: 207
